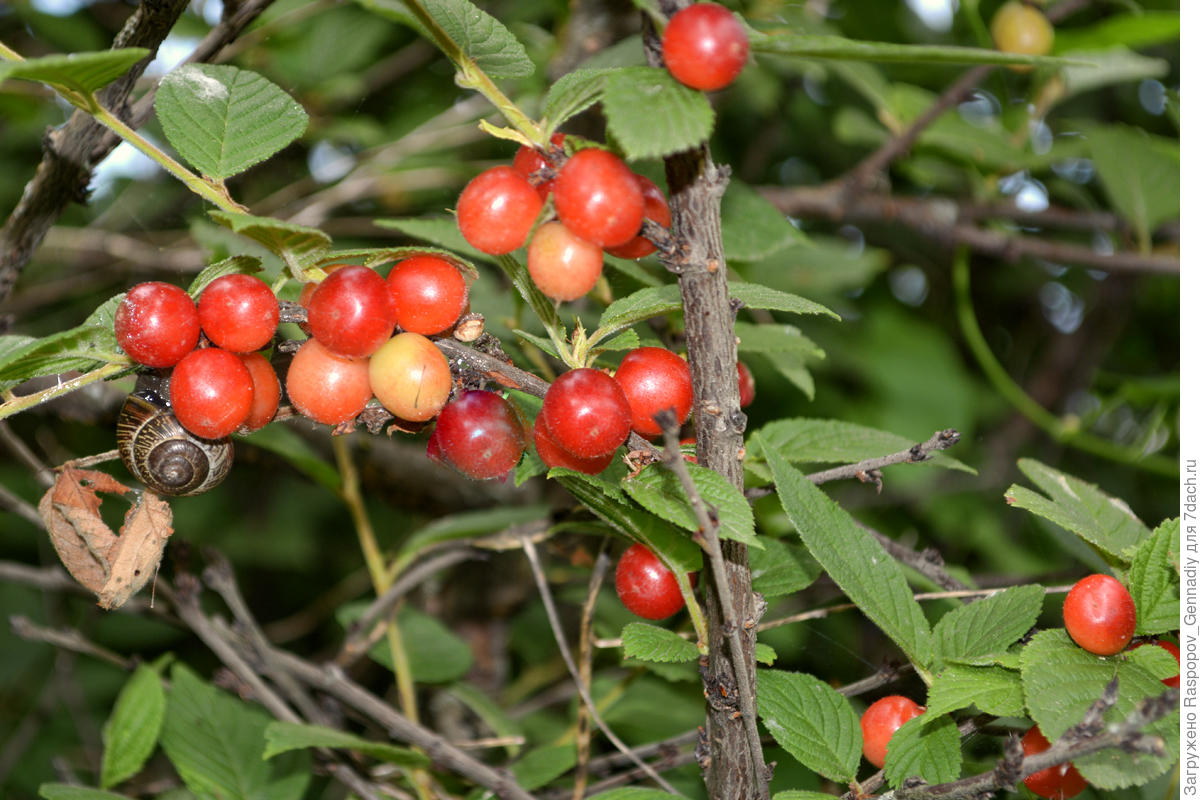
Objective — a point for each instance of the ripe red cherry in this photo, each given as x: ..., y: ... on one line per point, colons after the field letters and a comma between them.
x: 597, y: 196
x: 428, y: 294
x: 1100, y: 615
x: 480, y: 435
x: 656, y: 209
x: 562, y: 265
x: 704, y: 46
x: 325, y: 387
x: 211, y: 392
x: 266, y: 390
x: 238, y: 313
x: 534, y: 165
x: 587, y: 413
x: 745, y: 385
x: 1054, y: 783
x: 350, y: 312
x: 552, y: 454
x: 497, y: 209
x: 882, y: 719
x: 411, y: 377
x: 655, y: 379
x: 645, y: 586
x: 157, y: 324
x: 1171, y: 648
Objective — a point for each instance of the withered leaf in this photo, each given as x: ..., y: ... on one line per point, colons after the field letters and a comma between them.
x: 71, y: 511
x: 135, y: 558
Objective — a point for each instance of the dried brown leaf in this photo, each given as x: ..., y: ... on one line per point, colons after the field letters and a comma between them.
x: 71, y: 511
x: 136, y: 556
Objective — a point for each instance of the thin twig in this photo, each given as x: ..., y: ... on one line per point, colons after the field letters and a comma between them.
x: 928, y: 562
x: 67, y: 639
x: 583, y: 720
x: 17, y: 505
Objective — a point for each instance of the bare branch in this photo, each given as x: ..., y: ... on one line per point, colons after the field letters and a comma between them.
x: 67, y: 639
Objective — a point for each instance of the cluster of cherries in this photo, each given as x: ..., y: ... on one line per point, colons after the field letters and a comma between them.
x: 1100, y: 616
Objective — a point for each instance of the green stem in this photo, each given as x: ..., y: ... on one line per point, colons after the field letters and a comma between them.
x: 1012, y: 392
x: 27, y: 401
x: 8, y: 54
x: 693, y: 608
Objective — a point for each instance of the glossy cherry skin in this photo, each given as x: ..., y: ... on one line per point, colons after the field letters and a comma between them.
x: 655, y: 379
x: 157, y: 324
x: 1054, y: 783
x: 704, y: 46
x: 881, y: 720
x: 266, y: 391
x: 238, y: 313
x: 597, y: 196
x: 1171, y: 648
x: 350, y: 312
x: 211, y: 392
x: 1100, y: 615
x: 645, y: 586
x: 497, y: 209
x: 326, y: 387
x: 534, y: 165
x: 656, y: 209
x: 480, y: 435
x: 746, y: 386
x: 562, y: 265
x: 411, y: 377
x: 587, y: 413
x: 552, y: 454
x: 428, y: 294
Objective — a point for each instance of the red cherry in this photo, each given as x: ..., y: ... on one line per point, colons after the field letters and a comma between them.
x: 238, y: 313
x: 1099, y: 614
x: 1171, y: 648
x: 157, y: 324
x: 350, y: 312
x: 428, y: 294
x: 587, y: 413
x: 745, y: 385
x: 480, y: 435
x: 266, y: 390
x: 882, y: 719
x: 656, y: 209
x: 411, y: 377
x: 534, y: 165
x: 552, y: 454
x: 655, y: 379
x: 325, y: 387
x: 562, y: 265
x: 211, y: 392
x: 704, y: 46
x: 597, y: 196
x: 1054, y: 783
x: 645, y: 586
x: 497, y: 209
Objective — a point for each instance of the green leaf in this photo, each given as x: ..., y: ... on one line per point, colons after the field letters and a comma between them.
x: 634, y: 793
x: 1140, y: 174
x: 282, y: 737
x: 235, y: 265
x: 659, y: 491
x: 133, y: 727
x: 989, y: 625
x: 68, y: 791
x: 223, y: 120
x: 801, y: 794
x: 625, y: 340
x: 493, y: 716
x: 435, y: 653
x: 765, y: 654
x: 377, y: 257
x: 77, y: 72
x: 1157, y: 662
x: 1112, y: 67
x: 854, y: 560
x: 810, y: 720
x: 306, y: 245
x: 1143, y: 29
x: 802, y: 45
x: 1062, y: 681
x: 1081, y: 508
x: 768, y: 339
x: 543, y: 764
x: 572, y: 93
x: 683, y: 117
x: 468, y: 525
x: 753, y: 295
x: 215, y: 742
x: 541, y: 305
x: 482, y: 37
x: 81, y: 348
x: 299, y: 452
x: 928, y: 750
x: 1154, y: 580
x: 781, y: 568
x: 441, y: 231
x: 652, y: 643
x: 993, y: 690
x: 751, y: 226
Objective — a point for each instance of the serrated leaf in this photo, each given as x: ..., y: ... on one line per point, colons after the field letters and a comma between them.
x: 69, y: 791
x: 80, y: 348
x: 809, y: 46
x: 1080, y: 507
x: 215, y: 742
x: 223, y: 120
x: 781, y: 568
x: 993, y: 690
x: 1140, y: 175
x: 765, y: 654
x: 752, y: 228
x: 1157, y: 661
x: 1154, y: 580
x: 767, y: 338
x: 989, y: 625
x: 930, y: 751
x: 235, y: 265
x: 854, y: 560
x: 683, y: 117
x: 1062, y: 681
x: 304, y: 244
x: 810, y: 720
x: 283, y: 737
x: 572, y: 93
x: 753, y: 295
x: 131, y: 732
x: 659, y: 491
x: 652, y: 643
x: 625, y: 340
x: 81, y: 73
x: 481, y: 36
x: 543, y: 764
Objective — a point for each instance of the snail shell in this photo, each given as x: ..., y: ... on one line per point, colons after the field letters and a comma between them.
x: 162, y: 454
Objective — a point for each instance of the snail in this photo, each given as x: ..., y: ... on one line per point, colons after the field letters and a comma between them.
x: 162, y: 454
